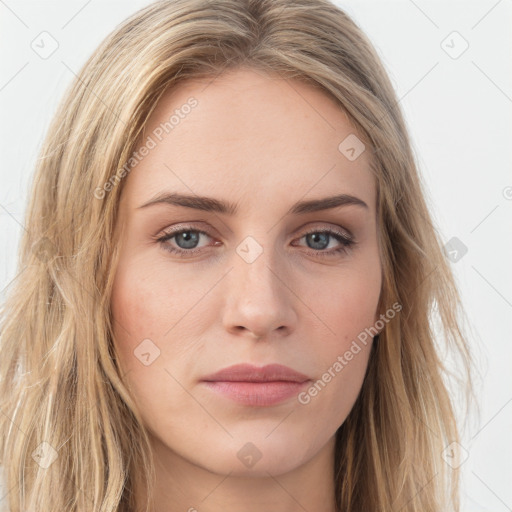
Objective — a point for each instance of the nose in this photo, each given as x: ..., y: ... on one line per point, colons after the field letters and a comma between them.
x: 259, y: 302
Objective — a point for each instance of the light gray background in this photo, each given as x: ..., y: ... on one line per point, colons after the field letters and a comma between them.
x: 459, y: 114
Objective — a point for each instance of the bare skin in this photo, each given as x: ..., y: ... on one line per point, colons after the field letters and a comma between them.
x: 263, y: 144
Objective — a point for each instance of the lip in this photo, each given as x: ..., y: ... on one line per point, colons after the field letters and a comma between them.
x: 257, y: 386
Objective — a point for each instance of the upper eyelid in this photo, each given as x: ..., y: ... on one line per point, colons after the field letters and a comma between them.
x: 193, y: 227
x: 338, y: 230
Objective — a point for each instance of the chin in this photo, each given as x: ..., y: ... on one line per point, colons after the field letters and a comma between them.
x: 260, y: 457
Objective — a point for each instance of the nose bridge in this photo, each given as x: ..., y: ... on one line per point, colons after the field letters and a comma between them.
x: 257, y: 298
x: 256, y: 267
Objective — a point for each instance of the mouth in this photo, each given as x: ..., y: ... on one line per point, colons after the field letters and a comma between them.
x: 257, y: 386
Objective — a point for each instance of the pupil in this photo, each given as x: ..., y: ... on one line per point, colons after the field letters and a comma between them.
x: 323, y: 238
x: 189, y: 239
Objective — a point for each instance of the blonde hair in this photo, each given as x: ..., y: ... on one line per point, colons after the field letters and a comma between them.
x: 61, y: 385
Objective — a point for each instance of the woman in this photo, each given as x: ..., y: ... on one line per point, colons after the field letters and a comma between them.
x: 230, y: 279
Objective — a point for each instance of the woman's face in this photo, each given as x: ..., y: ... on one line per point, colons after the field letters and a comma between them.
x: 264, y: 273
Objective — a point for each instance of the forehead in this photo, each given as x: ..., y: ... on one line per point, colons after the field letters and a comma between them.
x: 246, y: 134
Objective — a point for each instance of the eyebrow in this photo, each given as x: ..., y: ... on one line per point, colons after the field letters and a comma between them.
x: 220, y: 206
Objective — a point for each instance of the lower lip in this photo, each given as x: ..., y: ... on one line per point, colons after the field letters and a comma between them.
x: 257, y: 393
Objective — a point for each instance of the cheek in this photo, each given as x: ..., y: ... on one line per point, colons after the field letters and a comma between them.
x: 142, y: 310
x: 133, y: 308
x: 349, y: 303
x: 150, y: 305
x: 348, y: 306
x: 147, y: 302
x: 342, y: 356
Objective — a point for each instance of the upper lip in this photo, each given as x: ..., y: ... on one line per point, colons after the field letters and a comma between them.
x: 249, y: 373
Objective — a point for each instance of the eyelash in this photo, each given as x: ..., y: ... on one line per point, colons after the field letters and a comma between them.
x: 346, y: 242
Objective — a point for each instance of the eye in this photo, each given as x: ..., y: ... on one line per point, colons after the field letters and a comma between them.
x: 321, y: 239
x: 186, y: 238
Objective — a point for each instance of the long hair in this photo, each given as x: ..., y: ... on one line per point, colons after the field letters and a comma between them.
x: 71, y: 437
